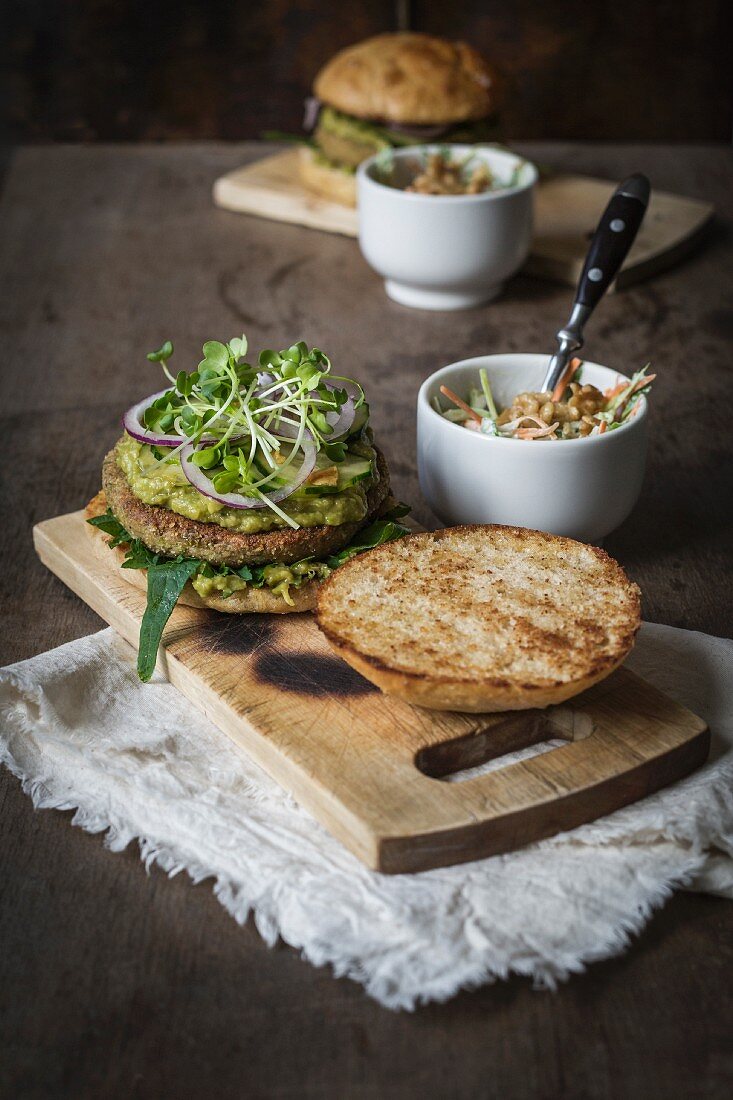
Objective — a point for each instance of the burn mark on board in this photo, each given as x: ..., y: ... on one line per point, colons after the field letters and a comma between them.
x: 236, y: 635
x: 310, y: 674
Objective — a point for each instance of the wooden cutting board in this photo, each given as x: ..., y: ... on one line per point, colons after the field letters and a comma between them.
x: 372, y: 769
x: 567, y: 210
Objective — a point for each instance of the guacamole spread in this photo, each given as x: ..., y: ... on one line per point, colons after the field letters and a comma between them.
x: 165, y: 484
x: 279, y: 578
x: 345, y: 141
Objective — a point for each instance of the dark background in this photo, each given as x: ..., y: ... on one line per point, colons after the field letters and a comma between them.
x: 172, y: 70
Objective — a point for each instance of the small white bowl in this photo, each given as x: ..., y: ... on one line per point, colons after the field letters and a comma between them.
x: 445, y: 251
x: 582, y: 488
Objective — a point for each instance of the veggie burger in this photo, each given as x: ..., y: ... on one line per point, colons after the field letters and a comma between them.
x: 392, y: 90
x: 241, y: 488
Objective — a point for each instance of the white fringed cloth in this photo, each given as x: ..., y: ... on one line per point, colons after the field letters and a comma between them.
x: 137, y: 763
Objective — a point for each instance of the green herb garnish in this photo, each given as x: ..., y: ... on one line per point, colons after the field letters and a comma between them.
x: 255, y: 422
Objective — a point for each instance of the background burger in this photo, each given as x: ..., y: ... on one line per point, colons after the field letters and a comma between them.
x: 394, y: 89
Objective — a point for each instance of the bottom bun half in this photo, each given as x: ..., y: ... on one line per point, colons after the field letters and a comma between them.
x: 329, y: 183
x: 247, y: 601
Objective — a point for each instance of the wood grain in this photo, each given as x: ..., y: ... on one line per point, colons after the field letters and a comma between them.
x: 350, y: 755
x: 567, y: 210
x: 118, y: 983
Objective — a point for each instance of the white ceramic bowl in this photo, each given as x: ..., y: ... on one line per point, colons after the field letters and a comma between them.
x: 445, y: 251
x: 583, y: 488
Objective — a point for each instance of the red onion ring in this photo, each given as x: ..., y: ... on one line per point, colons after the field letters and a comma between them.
x: 290, y: 431
x: 132, y: 424
x: 203, y: 484
x: 419, y: 133
x: 353, y: 389
x: 342, y: 420
x: 312, y: 109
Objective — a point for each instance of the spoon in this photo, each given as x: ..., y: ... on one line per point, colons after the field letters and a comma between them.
x: 614, y: 236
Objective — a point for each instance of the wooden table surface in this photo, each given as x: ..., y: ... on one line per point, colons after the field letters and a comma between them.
x: 114, y: 982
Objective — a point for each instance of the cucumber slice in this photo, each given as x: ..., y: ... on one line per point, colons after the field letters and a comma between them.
x: 351, y: 471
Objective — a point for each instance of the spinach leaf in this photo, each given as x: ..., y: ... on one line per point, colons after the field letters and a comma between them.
x: 398, y: 511
x: 111, y: 526
x: 166, y: 581
x: 138, y: 556
x: 373, y: 535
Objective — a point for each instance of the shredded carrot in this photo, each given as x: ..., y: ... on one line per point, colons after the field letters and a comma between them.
x: 616, y: 390
x: 564, y: 380
x: 460, y: 403
x: 642, y: 382
x: 602, y: 427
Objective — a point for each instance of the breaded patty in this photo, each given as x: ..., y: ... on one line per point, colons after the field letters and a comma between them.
x: 166, y: 532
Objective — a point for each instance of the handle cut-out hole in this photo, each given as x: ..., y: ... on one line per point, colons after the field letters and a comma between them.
x: 529, y: 733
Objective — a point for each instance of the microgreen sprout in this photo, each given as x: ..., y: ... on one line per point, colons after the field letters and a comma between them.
x: 250, y: 425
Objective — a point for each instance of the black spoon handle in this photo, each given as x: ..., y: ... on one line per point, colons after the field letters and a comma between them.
x: 614, y: 236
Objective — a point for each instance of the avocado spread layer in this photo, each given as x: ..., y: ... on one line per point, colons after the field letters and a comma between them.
x: 166, y: 485
x: 344, y: 141
x: 278, y: 577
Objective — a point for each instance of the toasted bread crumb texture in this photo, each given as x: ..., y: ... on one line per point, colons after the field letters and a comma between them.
x: 489, y: 604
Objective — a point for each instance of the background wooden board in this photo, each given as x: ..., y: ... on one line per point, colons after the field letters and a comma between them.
x: 120, y: 983
x: 567, y: 209
x: 350, y: 754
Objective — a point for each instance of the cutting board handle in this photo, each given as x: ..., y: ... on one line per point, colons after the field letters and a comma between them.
x: 516, y: 731
x: 609, y: 758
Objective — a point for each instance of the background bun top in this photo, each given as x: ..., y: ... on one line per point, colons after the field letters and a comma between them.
x: 409, y: 78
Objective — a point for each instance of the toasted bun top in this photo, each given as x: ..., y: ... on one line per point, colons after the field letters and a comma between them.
x: 409, y: 78
x: 498, y: 605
